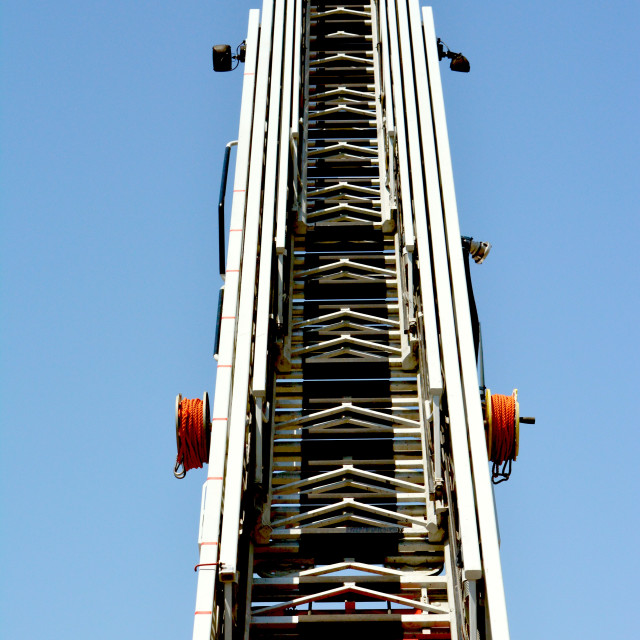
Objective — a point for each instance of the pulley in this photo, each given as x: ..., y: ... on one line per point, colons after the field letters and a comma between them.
x: 193, y: 433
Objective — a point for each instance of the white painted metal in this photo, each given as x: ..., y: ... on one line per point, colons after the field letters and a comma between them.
x: 244, y: 339
x: 212, y: 491
x: 388, y: 24
x: 453, y: 605
x: 463, y: 479
x: 387, y: 220
x: 483, y: 486
x: 304, y: 34
x: 429, y: 489
x: 297, y: 61
x: 289, y: 94
x: 409, y: 198
x: 387, y: 108
x: 271, y: 178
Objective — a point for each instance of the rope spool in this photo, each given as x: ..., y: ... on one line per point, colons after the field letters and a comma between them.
x: 502, y: 421
x: 193, y: 434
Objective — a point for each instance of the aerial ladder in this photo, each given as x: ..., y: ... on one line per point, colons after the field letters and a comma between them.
x: 348, y: 492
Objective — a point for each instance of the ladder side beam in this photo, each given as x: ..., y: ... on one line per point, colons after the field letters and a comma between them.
x: 304, y: 120
x: 263, y: 302
x: 483, y: 487
x: 387, y: 220
x: 406, y: 89
x: 290, y: 96
x: 212, y: 489
x: 238, y: 416
x: 388, y: 21
x: 457, y: 425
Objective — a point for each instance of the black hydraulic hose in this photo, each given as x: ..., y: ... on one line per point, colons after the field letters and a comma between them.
x: 475, y: 324
x: 483, y: 387
x: 223, y: 191
x: 216, y: 348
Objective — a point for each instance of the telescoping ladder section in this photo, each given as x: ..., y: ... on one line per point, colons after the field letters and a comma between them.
x: 348, y: 489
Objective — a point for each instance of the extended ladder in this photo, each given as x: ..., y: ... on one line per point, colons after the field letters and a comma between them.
x: 348, y: 492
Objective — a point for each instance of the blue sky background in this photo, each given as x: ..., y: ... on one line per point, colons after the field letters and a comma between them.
x: 113, y: 128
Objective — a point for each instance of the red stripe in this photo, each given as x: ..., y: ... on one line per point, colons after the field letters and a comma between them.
x: 206, y: 613
x: 219, y: 419
x: 227, y: 317
x: 239, y: 190
x: 214, y: 478
x: 233, y: 270
x: 224, y: 366
x: 210, y: 543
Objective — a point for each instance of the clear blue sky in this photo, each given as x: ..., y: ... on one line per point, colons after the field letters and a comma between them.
x: 113, y: 128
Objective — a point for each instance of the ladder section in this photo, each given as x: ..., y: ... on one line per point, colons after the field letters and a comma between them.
x: 354, y: 543
x: 348, y: 492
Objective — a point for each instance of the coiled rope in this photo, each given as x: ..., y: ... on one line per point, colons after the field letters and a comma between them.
x: 503, y: 431
x: 192, y: 434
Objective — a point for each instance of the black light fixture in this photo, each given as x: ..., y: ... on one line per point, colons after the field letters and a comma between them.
x: 222, y: 58
x: 458, y: 61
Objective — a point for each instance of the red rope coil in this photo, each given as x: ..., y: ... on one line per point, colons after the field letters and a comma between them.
x: 502, y: 437
x: 193, y: 450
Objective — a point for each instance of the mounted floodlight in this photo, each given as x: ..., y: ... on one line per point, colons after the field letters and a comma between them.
x: 477, y: 249
x: 222, y: 56
x: 458, y: 61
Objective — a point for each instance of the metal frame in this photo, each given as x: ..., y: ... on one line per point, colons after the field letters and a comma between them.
x: 348, y: 480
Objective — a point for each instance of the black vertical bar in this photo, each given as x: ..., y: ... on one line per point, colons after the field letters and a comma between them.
x: 475, y: 324
x: 216, y: 348
x: 221, y: 225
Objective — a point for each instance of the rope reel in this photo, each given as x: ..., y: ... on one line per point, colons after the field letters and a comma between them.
x: 502, y: 431
x: 193, y: 433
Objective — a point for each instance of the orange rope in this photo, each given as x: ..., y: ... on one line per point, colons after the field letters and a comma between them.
x: 503, y: 446
x: 192, y: 452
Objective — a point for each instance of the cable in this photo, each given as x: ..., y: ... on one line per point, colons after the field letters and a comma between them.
x: 191, y: 434
x: 503, y: 432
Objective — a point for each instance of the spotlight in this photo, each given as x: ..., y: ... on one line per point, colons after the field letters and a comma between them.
x: 458, y: 61
x: 477, y: 250
x: 222, y: 56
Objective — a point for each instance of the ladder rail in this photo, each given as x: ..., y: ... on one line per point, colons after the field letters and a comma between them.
x: 482, y: 482
x: 234, y: 473
x: 205, y: 617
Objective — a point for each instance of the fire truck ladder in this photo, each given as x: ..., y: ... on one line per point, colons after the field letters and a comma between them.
x: 348, y: 492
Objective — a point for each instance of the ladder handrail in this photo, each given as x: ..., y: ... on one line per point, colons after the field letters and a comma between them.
x: 223, y: 191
